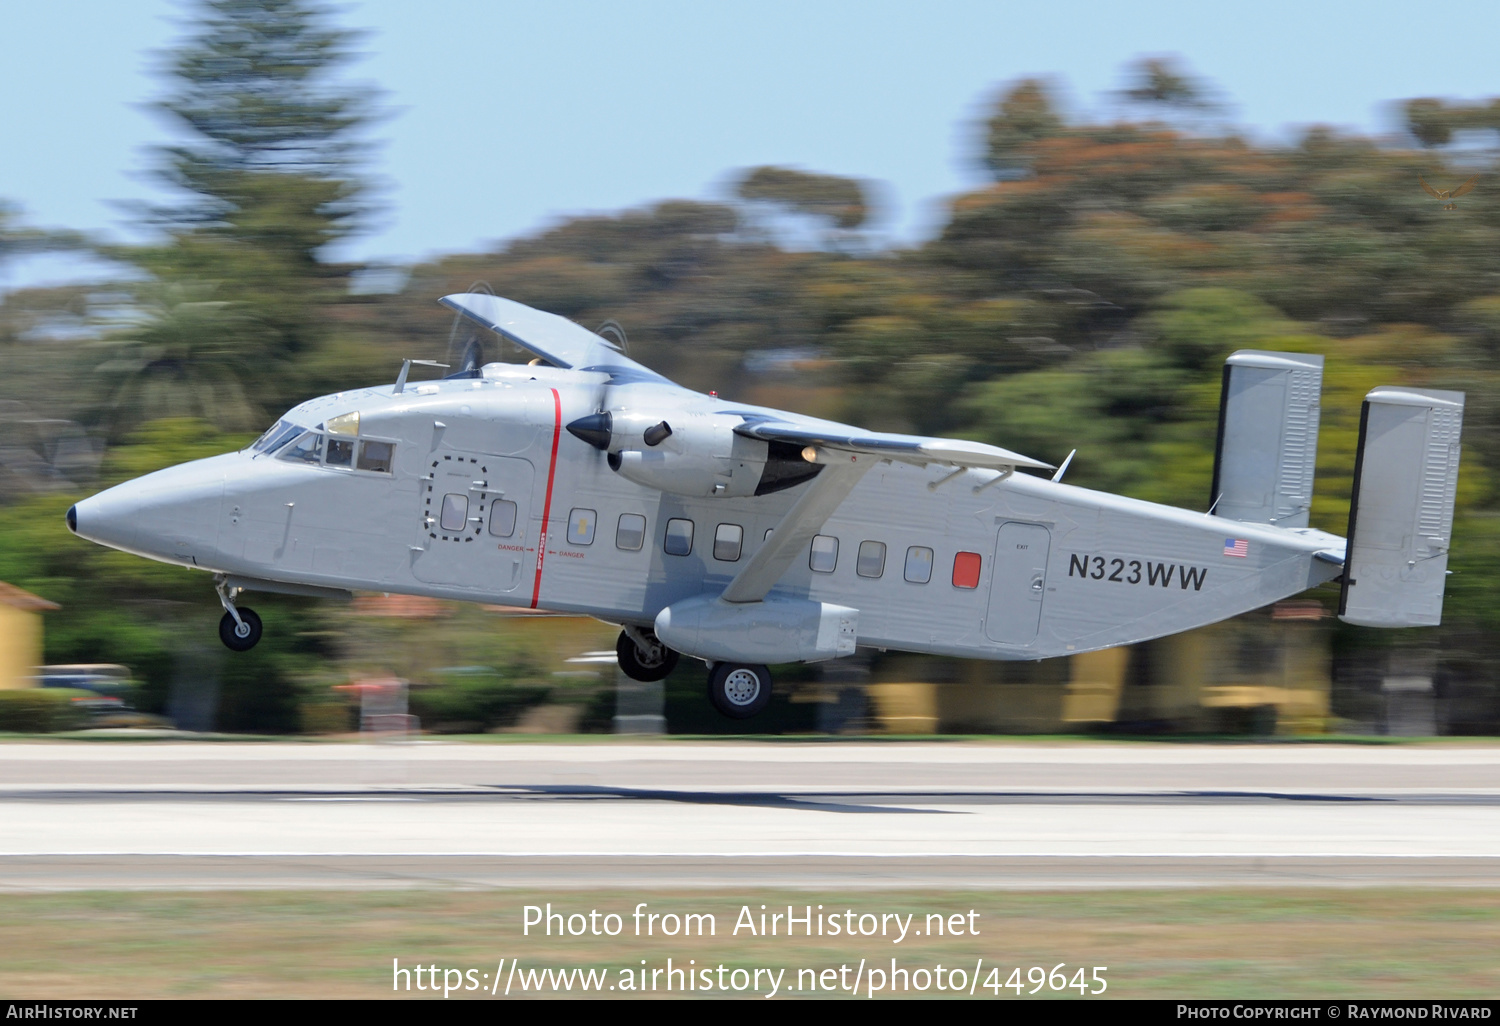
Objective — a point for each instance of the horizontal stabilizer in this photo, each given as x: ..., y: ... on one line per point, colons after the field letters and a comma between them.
x: 1401, y: 513
x: 1268, y: 438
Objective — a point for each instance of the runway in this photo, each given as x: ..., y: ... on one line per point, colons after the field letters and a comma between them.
x: 799, y: 814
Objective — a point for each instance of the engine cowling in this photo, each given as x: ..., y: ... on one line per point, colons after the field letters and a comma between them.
x: 696, y: 455
x: 702, y: 456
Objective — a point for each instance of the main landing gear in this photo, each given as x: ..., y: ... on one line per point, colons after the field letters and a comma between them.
x: 240, y: 627
x: 642, y: 656
x: 738, y: 690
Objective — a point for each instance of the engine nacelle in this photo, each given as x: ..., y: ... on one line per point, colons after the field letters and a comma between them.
x: 696, y: 455
x: 775, y: 630
x: 702, y: 456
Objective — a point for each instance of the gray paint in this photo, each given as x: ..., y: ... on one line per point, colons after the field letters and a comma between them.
x: 1401, y: 518
x: 1268, y: 443
x: 1097, y: 570
x: 1018, y: 585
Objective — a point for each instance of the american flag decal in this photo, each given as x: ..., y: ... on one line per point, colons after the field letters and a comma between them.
x: 1236, y: 547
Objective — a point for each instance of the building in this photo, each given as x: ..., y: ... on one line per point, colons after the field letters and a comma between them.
x: 20, y: 636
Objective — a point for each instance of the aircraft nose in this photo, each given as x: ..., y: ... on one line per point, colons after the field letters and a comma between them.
x: 99, y: 519
x: 172, y: 514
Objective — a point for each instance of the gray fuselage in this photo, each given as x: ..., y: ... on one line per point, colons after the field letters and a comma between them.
x: 489, y: 498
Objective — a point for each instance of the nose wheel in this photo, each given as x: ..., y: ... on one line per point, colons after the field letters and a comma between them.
x: 241, y: 635
x: 239, y: 628
x: 739, y: 691
x: 642, y: 656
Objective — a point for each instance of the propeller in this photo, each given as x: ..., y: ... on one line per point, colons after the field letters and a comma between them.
x: 597, y: 429
x: 467, y: 356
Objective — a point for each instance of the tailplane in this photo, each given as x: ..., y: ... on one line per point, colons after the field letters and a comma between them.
x: 1401, y: 512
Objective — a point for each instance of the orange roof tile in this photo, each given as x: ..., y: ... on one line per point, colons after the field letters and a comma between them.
x: 10, y: 595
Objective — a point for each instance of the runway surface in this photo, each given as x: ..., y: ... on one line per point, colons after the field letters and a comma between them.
x: 786, y: 814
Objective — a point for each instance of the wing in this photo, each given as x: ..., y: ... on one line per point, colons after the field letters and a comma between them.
x: 916, y: 449
x: 1425, y: 188
x: 1464, y: 187
x: 555, y: 339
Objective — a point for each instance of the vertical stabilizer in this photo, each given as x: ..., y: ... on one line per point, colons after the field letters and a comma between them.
x: 1401, y: 513
x: 1268, y: 438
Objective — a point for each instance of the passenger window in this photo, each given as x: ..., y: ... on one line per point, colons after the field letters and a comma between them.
x: 502, y: 518
x: 966, y: 570
x: 871, y: 561
x: 728, y: 538
x: 581, y: 527
x: 918, y: 564
x: 455, y: 511
x: 679, y: 540
x: 376, y: 456
x: 340, y: 453
x: 825, y: 553
x: 630, y: 533
x: 307, y: 449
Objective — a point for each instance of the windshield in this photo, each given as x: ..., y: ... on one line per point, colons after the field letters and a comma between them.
x: 280, y: 433
x: 307, y: 449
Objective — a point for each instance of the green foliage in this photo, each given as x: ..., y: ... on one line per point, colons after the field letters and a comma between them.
x: 474, y: 702
x: 1025, y: 115
x: 41, y: 710
x: 1084, y: 298
x: 840, y: 203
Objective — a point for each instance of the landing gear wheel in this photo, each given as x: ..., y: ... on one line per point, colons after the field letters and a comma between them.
x: 739, y: 691
x: 650, y: 664
x: 240, y: 637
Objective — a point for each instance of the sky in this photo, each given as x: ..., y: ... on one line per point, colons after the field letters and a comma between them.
x: 501, y: 118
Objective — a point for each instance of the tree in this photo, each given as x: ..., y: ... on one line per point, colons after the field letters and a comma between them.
x: 1025, y: 115
x: 252, y: 86
x: 266, y: 178
x: 838, y: 203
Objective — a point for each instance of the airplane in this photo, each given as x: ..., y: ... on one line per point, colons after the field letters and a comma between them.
x: 745, y: 536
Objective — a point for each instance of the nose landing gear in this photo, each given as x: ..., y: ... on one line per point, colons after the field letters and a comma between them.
x: 240, y: 627
x: 240, y: 635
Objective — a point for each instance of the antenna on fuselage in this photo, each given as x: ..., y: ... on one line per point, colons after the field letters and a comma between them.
x: 406, y: 366
x: 1064, y: 468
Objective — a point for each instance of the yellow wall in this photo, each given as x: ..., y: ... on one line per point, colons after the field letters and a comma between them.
x: 20, y: 646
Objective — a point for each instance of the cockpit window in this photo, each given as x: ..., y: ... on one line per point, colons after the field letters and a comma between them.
x: 375, y: 456
x: 280, y: 433
x: 307, y: 449
x: 340, y: 453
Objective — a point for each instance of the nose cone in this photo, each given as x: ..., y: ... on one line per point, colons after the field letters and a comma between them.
x: 172, y: 515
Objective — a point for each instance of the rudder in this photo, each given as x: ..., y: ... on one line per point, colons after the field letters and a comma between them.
x: 1401, y: 512
x: 1268, y: 438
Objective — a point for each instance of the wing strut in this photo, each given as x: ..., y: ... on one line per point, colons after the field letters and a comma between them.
x: 824, y: 495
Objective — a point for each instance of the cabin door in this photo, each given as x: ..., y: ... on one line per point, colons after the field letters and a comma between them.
x: 1018, y: 583
x: 475, y: 514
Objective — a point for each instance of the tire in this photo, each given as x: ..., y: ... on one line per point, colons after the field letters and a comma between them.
x: 738, y: 690
x: 644, y: 667
x: 238, y: 639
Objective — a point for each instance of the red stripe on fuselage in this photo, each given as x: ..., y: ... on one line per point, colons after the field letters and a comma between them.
x: 541, y: 544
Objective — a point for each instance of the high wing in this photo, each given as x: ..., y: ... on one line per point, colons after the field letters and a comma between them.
x: 555, y: 339
x: 918, y: 449
x: 1464, y: 188
x: 855, y: 452
x: 1425, y: 188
